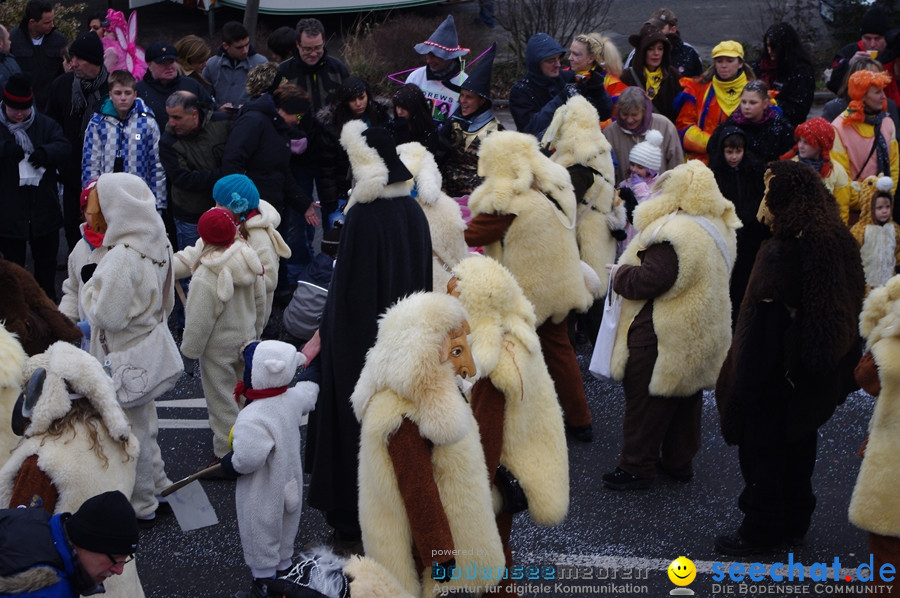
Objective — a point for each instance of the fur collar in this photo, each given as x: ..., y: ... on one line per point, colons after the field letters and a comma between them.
x: 406, y: 361
x: 370, y: 173
x: 236, y: 266
x: 69, y: 368
x: 268, y: 216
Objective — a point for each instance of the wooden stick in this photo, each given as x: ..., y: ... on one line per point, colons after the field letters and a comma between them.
x: 203, y: 473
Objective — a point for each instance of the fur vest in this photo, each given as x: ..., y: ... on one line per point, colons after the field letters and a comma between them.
x: 12, y: 360
x: 445, y: 222
x: 540, y: 247
x: 404, y: 379
x: 575, y: 135
x: 692, y: 319
x: 507, y: 350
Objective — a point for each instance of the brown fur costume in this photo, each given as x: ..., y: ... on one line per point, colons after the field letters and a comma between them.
x: 26, y: 311
x: 811, y: 265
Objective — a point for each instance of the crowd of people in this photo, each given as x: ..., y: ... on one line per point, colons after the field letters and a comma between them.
x: 741, y: 236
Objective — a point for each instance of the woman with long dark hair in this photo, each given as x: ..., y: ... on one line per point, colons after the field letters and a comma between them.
x: 785, y: 66
x: 413, y: 122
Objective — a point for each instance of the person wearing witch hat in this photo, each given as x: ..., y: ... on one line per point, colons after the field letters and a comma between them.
x: 385, y: 254
x: 443, y: 66
x: 469, y: 125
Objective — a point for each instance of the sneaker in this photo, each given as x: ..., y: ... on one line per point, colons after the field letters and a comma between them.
x: 259, y: 588
x: 622, y: 480
x: 580, y: 433
x: 147, y: 523
x: 736, y: 545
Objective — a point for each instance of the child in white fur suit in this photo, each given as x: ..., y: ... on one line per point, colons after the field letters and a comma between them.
x: 266, y: 455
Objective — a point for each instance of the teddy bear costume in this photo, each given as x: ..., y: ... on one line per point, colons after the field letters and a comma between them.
x: 445, y: 221
x: 225, y: 303
x: 266, y: 454
x: 60, y: 473
x: 524, y: 214
x: 423, y: 492
x: 127, y: 301
x: 514, y: 402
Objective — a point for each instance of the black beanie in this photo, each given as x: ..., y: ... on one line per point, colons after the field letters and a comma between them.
x: 17, y: 93
x: 382, y: 141
x: 104, y: 523
x: 874, y: 21
x: 88, y: 47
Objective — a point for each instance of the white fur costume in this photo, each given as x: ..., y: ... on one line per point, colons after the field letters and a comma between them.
x: 226, y: 297
x: 12, y: 360
x: 269, y: 494
x: 123, y: 300
x: 692, y: 319
x: 448, y: 246
x: 268, y: 243
x: 539, y: 247
x: 575, y: 136
x: 404, y: 378
x: 69, y: 461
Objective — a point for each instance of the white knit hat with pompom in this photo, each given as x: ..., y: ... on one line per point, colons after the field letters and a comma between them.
x: 648, y: 153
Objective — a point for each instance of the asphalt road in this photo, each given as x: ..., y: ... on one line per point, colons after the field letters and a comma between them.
x: 607, y: 537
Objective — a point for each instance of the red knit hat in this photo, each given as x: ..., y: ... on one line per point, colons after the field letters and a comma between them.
x: 217, y: 227
x: 818, y: 132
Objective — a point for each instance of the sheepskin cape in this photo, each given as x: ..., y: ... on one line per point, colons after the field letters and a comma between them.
x: 692, y: 319
x: 404, y: 378
x: 575, y: 137
x: 874, y: 504
x: 540, y: 247
x: 12, y: 360
x: 76, y: 471
x: 445, y: 221
x: 507, y: 350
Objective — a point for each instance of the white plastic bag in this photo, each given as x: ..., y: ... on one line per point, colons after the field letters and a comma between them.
x: 606, y: 337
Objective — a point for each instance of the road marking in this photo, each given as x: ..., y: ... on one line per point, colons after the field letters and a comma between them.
x: 183, y: 424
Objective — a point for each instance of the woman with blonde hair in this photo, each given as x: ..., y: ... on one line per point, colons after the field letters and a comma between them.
x: 193, y: 53
x: 594, y: 54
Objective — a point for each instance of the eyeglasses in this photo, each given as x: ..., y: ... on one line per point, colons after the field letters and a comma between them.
x: 312, y: 49
x: 116, y: 563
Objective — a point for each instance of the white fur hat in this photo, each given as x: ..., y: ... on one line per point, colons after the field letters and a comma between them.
x: 270, y: 364
x: 648, y: 153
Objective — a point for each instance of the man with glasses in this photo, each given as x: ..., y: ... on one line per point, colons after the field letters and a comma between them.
x: 66, y: 554
x: 311, y: 67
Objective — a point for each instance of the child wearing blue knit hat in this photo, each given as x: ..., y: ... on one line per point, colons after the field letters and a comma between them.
x: 257, y: 222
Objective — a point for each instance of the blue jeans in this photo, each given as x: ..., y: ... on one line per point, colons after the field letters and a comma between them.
x: 187, y: 235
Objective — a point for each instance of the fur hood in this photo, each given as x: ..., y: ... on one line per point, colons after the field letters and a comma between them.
x: 496, y: 306
x: 512, y: 164
x: 399, y: 363
x: 880, y: 317
x: 575, y: 137
x: 690, y: 188
x: 370, y: 173
x: 236, y: 266
x: 268, y: 221
x: 72, y: 370
x: 129, y: 207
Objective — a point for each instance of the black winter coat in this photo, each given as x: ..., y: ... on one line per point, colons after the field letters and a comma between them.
x: 767, y: 140
x: 44, y: 63
x: 73, y: 122
x: 795, y: 92
x: 259, y: 147
x: 31, y: 210
x: 320, y: 81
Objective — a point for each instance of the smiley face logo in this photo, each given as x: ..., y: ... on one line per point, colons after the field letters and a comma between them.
x: 682, y: 571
